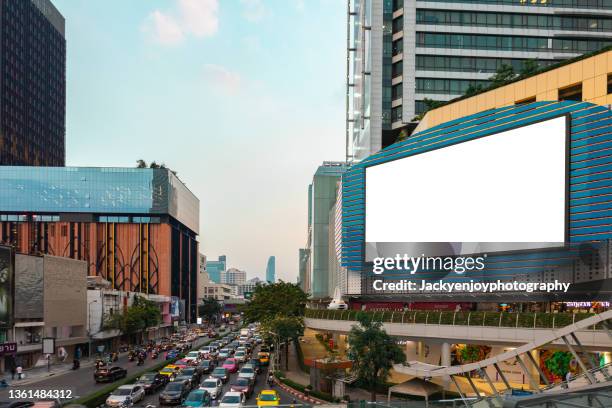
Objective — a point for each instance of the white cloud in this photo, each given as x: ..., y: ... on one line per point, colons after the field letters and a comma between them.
x: 253, y: 10
x: 200, y: 16
x: 165, y: 29
x: 227, y: 81
x: 191, y: 17
x: 300, y: 5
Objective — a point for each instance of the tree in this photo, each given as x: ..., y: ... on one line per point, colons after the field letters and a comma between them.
x: 529, y: 67
x: 473, y: 90
x: 141, y: 164
x: 281, y: 299
x: 209, y: 308
x: 504, y: 74
x: 559, y: 363
x: 373, y: 352
x: 285, y: 329
x: 142, y: 314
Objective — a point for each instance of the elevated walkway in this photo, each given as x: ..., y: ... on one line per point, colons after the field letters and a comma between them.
x: 490, y: 328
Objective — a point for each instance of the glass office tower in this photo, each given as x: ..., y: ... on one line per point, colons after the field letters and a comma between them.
x: 32, y: 84
x: 439, y: 50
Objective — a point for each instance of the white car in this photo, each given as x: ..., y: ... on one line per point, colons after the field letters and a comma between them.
x: 193, y: 356
x: 240, y: 356
x: 214, y: 386
x: 232, y: 400
x: 248, y: 372
x: 337, y: 305
x: 120, y: 396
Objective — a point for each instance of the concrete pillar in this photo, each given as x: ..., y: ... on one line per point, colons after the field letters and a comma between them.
x: 445, y: 357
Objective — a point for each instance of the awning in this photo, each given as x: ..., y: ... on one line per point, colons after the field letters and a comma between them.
x: 415, y: 387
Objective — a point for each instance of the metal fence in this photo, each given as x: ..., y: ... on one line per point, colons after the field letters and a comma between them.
x: 487, y: 319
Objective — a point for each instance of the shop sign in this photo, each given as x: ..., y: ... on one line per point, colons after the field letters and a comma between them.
x: 8, y: 348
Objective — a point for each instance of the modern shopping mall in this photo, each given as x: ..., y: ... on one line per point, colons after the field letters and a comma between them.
x: 548, y: 154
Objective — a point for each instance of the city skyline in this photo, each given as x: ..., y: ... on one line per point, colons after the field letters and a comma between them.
x: 215, y: 59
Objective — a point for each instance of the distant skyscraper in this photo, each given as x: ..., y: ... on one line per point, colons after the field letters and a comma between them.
x: 32, y: 84
x: 322, y: 196
x: 233, y: 276
x: 271, y: 269
x: 216, y: 269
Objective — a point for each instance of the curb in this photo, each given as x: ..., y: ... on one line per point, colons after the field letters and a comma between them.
x: 298, y: 394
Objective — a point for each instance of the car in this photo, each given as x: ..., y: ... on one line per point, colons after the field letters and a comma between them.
x: 220, y: 373
x: 248, y: 372
x: 193, y: 356
x: 193, y: 372
x: 206, y: 350
x: 268, y: 398
x: 240, y: 356
x: 174, y: 393
x: 151, y: 382
x: 111, y: 374
x: 169, y: 371
x: 264, y: 358
x: 231, y: 364
x: 125, y: 395
x: 173, y: 353
x: 232, y: 400
x: 256, y: 364
x: 214, y: 386
x: 243, y: 385
x: 197, y: 398
x: 206, y: 366
x: 224, y: 353
x: 182, y: 363
x: 186, y: 379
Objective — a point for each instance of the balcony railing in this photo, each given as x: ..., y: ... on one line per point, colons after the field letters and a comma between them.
x: 476, y: 319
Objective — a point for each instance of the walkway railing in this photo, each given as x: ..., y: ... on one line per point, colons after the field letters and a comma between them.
x: 488, y: 319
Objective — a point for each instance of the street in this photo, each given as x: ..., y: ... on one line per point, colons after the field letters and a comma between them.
x: 260, y: 384
x: 81, y: 383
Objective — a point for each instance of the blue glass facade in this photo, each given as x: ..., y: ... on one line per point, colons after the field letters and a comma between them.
x: 118, y: 191
x: 590, y: 208
x: 215, y: 269
x: 271, y: 270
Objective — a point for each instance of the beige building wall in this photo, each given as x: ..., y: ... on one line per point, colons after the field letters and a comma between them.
x: 591, y: 72
x: 65, y: 299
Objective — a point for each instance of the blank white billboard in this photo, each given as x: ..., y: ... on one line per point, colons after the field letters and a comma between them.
x: 508, y: 187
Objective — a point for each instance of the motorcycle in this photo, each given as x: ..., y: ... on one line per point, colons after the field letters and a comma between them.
x: 154, y: 355
x: 140, y: 361
x: 270, y: 380
x: 114, y: 356
x: 131, y: 356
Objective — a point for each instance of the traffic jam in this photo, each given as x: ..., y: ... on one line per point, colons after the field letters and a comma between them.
x: 229, y: 372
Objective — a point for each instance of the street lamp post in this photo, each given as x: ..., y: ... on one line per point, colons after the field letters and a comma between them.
x: 89, y: 325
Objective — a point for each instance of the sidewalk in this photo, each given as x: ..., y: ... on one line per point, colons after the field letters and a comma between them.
x: 36, y: 374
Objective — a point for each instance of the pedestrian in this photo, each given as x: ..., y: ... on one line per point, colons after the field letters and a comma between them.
x: 13, y: 371
x: 19, y: 371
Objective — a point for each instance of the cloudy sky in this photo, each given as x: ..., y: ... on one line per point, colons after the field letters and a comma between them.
x: 243, y: 98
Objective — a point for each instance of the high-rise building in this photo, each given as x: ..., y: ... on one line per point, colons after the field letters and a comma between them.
x: 271, y: 269
x: 216, y: 268
x: 322, y: 196
x: 249, y: 286
x: 403, y: 54
x: 32, y: 84
x: 136, y: 228
x: 233, y: 276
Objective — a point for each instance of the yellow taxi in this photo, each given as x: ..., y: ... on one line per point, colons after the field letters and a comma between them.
x: 169, y: 370
x: 267, y: 398
x: 264, y: 358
